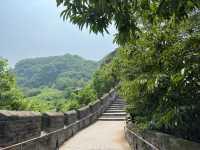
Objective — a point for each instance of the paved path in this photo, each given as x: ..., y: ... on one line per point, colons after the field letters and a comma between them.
x: 102, y: 135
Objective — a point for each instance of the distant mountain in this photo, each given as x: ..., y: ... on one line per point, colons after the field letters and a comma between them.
x: 60, y: 72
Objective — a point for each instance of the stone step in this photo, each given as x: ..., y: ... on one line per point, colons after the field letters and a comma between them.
x: 119, y: 107
x: 122, y: 101
x: 114, y: 114
x: 112, y: 119
x: 116, y: 106
x: 118, y: 102
x: 123, y: 105
x: 114, y: 111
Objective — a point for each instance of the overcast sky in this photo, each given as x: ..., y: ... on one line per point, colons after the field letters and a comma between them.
x: 33, y: 28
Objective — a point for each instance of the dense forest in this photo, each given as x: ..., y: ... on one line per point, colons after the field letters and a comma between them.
x: 157, y: 65
x: 48, y: 83
x: 58, y: 83
x: 66, y: 73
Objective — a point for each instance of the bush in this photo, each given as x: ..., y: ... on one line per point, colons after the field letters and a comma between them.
x: 70, y: 105
x: 85, y: 95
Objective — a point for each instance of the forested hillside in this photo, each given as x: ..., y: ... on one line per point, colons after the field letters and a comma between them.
x: 51, y: 83
x: 58, y: 83
x: 68, y: 72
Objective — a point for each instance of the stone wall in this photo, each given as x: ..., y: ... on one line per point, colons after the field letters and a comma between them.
x: 49, y: 130
x: 16, y: 126
x: 52, y: 121
x: 70, y: 117
x: 152, y: 140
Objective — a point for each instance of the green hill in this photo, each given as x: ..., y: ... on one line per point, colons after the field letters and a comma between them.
x: 59, y: 72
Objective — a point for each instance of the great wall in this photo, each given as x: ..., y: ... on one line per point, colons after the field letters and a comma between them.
x: 22, y: 130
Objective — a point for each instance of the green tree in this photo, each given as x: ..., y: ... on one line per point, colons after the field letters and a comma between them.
x: 160, y: 79
x: 104, y: 79
x: 85, y: 95
x: 48, y: 100
x: 10, y: 96
x: 70, y: 104
x: 129, y: 16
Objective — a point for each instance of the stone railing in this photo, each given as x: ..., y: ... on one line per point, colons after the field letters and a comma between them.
x: 21, y: 130
x: 152, y: 140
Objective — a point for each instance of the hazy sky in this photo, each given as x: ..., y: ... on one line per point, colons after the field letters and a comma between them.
x: 33, y: 28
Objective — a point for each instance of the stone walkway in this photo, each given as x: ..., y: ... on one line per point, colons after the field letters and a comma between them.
x: 102, y: 135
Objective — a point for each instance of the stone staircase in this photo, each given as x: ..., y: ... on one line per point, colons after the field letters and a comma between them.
x: 115, y: 112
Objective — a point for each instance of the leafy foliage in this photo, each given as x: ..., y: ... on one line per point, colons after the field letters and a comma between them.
x: 104, y: 79
x: 70, y: 105
x: 52, y: 98
x: 160, y: 79
x: 85, y: 95
x: 129, y: 16
x: 9, y: 95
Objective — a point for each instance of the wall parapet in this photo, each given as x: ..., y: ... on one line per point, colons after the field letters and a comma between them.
x: 36, y: 131
x: 70, y: 117
x: 153, y: 140
x: 17, y: 126
x: 52, y: 121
